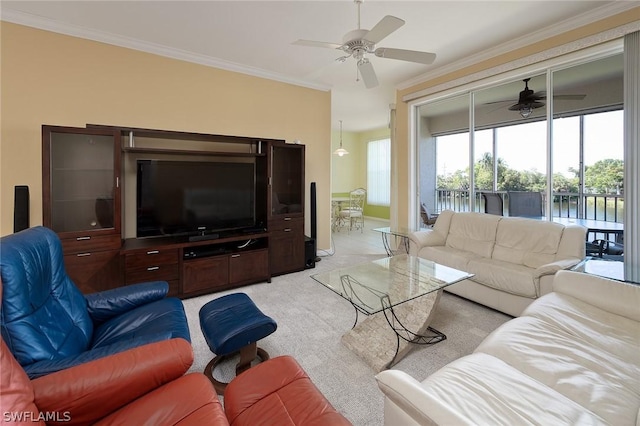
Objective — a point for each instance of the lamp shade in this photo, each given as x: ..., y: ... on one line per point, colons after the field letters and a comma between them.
x: 340, y: 152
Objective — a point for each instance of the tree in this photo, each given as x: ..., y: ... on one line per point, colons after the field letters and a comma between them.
x: 483, y: 170
x: 605, y: 176
x: 561, y: 183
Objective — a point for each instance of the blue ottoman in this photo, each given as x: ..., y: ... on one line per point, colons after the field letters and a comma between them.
x: 232, y: 324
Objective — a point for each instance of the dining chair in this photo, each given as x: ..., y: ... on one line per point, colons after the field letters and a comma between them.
x: 353, y: 215
x: 493, y: 203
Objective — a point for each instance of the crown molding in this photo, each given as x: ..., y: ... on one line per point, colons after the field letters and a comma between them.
x: 55, y: 26
x: 562, y: 27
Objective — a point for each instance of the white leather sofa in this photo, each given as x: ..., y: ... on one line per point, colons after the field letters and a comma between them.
x: 513, y: 259
x: 571, y: 358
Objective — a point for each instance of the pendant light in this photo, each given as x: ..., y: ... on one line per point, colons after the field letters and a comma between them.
x: 525, y: 111
x: 340, y: 151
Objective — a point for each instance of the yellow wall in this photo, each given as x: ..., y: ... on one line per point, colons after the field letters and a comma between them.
x: 350, y: 171
x: 346, y: 170
x: 48, y: 78
x: 401, y: 149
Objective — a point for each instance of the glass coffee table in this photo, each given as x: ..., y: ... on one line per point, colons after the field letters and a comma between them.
x: 398, y: 295
x: 399, y: 232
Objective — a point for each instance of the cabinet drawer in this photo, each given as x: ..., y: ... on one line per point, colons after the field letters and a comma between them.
x: 248, y: 266
x: 94, y: 271
x: 294, y: 224
x: 151, y: 273
x: 208, y: 274
x: 151, y: 257
x: 286, y: 253
x: 90, y: 243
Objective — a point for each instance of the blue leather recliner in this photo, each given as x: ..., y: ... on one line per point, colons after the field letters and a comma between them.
x: 49, y: 325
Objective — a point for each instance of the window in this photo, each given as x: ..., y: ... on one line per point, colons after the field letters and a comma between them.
x: 379, y: 172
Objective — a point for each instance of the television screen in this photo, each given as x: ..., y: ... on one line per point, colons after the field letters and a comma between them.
x: 192, y: 197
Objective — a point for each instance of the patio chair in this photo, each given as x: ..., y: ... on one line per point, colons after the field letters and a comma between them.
x: 525, y: 203
x: 428, y: 219
x: 493, y: 203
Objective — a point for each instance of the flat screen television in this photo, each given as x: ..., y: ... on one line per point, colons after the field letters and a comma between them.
x: 194, y: 197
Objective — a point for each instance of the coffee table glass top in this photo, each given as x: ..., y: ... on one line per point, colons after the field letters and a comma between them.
x: 374, y: 286
x: 398, y: 231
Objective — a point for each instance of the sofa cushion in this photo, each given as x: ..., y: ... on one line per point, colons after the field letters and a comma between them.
x: 480, y: 389
x: 505, y: 276
x: 448, y: 256
x: 473, y: 232
x: 278, y: 392
x: 588, y: 355
x: 528, y: 242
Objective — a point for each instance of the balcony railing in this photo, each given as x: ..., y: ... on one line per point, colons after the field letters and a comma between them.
x: 607, y: 207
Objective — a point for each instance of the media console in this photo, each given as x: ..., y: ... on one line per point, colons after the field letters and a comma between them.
x: 92, y: 227
x: 195, y: 268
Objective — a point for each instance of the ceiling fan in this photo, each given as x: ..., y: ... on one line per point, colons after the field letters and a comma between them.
x: 361, y: 42
x: 528, y: 100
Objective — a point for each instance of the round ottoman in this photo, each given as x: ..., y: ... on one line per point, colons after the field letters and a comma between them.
x: 232, y: 324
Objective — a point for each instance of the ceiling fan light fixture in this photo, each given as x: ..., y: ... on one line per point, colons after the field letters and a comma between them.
x: 525, y: 111
x: 340, y: 152
x: 360, y: 42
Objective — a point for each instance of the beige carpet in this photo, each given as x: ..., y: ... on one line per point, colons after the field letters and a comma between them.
x: 311, y: 320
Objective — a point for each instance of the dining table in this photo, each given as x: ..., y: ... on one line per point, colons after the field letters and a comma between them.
x: 336, y: 206
x: 595, y: 226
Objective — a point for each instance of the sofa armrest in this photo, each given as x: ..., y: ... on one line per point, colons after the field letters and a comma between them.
x: 95, y: 389
x: 105, y: 305
x: 188, y: 400
x: 617, y: 297
x: 44, y: 367
x: 420, y: 239
x: 553, y: 267
x: 406, y: 393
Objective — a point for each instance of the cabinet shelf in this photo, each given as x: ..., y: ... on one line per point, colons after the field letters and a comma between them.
x: 190, y: 152
x: 79, y: 170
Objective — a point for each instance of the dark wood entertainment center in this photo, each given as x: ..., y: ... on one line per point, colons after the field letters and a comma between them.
x: 85, y: 171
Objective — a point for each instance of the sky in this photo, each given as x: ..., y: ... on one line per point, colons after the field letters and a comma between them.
x: 523, y: 147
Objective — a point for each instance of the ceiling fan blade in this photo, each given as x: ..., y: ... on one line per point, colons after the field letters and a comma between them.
x: 386, y: 26
x: 569, y: 97
x: 368, y: 74
x: 312, y: 43
x: 501, y: 102
x: 542, y: 95
x: 406, y: 55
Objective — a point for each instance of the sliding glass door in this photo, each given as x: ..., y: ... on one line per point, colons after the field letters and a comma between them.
x: 513, y: 148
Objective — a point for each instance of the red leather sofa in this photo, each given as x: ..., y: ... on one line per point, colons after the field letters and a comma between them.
x: 148, y: 385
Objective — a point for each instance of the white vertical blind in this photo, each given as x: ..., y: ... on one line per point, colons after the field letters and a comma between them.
x: 379, y: 172
x: 631, y: 156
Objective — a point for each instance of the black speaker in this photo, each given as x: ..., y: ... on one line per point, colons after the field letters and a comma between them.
x: 21, y: 208
x: 314, y: 217
x: 309, y: 253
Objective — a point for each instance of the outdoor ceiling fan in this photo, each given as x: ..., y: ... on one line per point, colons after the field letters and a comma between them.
x: 361, y: 42
x: 528, y: 100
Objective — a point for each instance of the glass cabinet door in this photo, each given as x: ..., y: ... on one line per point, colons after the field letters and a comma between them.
x: 83, y: 187
x: 287, y: 179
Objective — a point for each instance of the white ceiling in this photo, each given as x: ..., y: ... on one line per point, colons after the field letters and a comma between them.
x: 256, y: 37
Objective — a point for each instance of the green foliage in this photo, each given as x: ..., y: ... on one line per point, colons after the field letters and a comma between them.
x: 605, y: 176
